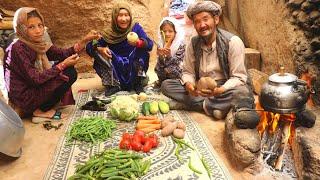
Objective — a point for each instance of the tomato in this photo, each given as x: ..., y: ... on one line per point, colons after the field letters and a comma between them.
x: 126, y: 136
x: 139, y: 133
x: 136, y: 145
x: 137, y: 139
x: 147, y: 146
x: 125, y: 144
x: 154, y: 139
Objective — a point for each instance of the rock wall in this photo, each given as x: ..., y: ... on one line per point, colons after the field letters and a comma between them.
x: 68, y: 21
x: 264, y: 25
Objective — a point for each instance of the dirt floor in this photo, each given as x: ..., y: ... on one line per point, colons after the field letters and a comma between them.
x: 39, y: 144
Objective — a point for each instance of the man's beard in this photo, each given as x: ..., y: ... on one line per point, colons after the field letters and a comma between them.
x: 207, y: 38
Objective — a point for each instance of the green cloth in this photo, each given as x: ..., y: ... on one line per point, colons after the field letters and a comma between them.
x: 115, y: 34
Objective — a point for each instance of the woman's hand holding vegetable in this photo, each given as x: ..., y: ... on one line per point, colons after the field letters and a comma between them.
x: 105, y: 52
x: 69, y: 61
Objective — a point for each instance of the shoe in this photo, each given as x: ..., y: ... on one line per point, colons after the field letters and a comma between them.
x: 111, y: 90
x: 219, y: 114
x: 56, y: 117
x: 137, y: 86
x: 175, y: 105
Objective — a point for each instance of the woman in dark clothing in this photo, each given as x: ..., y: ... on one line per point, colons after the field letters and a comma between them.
x: 34, y: 85
x: 127, y: 62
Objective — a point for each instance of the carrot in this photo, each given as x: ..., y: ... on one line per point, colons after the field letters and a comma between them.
x: 147, y: 117
x: 155, y: 121
x: 153, y: 126
x: 147, y: 130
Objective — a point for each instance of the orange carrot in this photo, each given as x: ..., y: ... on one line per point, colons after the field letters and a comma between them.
x: 147, y: 130
x: 153, y: 126
x: 155, y: 121
x: 147, y: 117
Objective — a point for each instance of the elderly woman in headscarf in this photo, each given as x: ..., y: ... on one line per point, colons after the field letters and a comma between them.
x: 120, y: 62
x: 34, y: 85
x: 215, y: 54
x: 170, y: 50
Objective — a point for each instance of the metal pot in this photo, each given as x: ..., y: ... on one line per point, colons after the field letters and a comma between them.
x: 11, y: 131
x: 284, y: 93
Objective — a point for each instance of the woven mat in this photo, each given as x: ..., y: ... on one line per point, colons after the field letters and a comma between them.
x: 164, y: 162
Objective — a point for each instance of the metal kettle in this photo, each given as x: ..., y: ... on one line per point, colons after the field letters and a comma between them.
x: 284, y: 93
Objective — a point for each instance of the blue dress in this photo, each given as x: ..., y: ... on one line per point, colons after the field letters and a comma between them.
x: 126, y: 60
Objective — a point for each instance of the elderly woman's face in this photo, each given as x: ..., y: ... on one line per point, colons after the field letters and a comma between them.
x: 35, y: 29
x: 205, y: 24
x: 123, y: 19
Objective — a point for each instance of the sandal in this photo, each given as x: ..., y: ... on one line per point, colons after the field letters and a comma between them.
x: 56, y: 117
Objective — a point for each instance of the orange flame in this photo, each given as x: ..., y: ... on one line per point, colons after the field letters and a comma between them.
x: 308, y: 78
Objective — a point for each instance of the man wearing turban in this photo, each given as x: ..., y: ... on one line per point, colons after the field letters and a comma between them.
x: 217, y: 54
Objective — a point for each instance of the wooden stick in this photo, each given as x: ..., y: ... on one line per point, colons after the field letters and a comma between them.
x: 283, y: 146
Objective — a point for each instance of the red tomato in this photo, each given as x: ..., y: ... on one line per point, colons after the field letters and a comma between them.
x: 147, y: 146
x: 126, y: 136
x: 136, y: 145
x: 154, y: 139
x: 137, y: 138
x: 139, y: 133
x: 125, y: 144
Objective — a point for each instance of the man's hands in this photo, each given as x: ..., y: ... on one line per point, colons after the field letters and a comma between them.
x: 105, y: 52
x: 190, y: 87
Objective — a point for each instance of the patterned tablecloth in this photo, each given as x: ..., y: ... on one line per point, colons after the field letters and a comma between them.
x: 164, y: 162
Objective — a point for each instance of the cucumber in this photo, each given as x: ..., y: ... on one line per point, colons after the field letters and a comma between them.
x: 154, y: 109
x: 164, y: 107
x: 146, y: 108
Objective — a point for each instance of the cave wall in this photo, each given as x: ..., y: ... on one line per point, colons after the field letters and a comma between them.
x: 68, y: 21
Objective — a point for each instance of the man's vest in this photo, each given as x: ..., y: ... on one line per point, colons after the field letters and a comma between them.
x: 222, y: 44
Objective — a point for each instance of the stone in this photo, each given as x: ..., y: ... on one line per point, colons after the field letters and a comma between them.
x: 317, y: 54
x: 244, y: 146
x: 258, y: 79
x: 307, y: 6
x: 315, y: 43
x: 306, y: 151
x: 314, y: 14
x: 295, y: 13
x: 302, y: 17
x: 295, y: 3
x: 252, y: 58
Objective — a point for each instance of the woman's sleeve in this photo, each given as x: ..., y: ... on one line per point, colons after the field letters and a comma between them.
x: 58, y: 54
x: 142, y: 35
x: 90, y: 48
x: 21, y: 63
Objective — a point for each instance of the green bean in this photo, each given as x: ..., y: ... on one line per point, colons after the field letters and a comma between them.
x: 125, y: 165
x: 206, y: 166
x: 193, y: 168
x: 118, y: 178
x: 177, y: 152
x: 109, y: 174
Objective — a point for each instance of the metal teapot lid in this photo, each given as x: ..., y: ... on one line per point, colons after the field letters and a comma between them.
x: 283, y: 77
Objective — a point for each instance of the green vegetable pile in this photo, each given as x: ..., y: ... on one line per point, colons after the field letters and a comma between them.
x: 91, y: 129
x: 112, y: 164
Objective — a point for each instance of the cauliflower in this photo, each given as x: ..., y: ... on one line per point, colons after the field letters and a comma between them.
x: 124, y: 108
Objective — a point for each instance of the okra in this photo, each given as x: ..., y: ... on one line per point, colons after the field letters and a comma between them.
x: 193, y: 168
